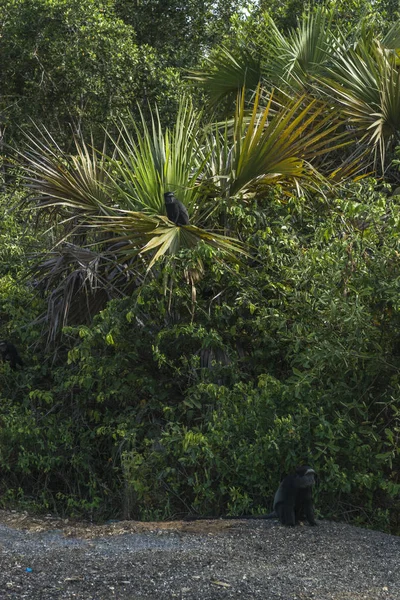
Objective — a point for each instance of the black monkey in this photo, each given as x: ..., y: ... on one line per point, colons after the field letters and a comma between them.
x: 293, y: 498
x: 176, y: 211
x: 292, y: 501
x: 9, y: 352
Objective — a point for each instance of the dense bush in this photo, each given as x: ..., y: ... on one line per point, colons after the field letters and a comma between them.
x: 167, y: 406
x: 73, y: 66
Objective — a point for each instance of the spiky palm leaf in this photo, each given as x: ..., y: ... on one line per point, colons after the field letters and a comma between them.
x: 56, y: 179
x: 95, y: 189
x: 151, y: 161
x: 293, y: 60
x: 366, y: 82
x: 287, y: 61
x: 141, y: 234
x: 227, y: 72
x: 391, y: 40
x: 264, y: 148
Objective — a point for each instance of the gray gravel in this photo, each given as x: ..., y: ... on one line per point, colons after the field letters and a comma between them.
x: 208, y: 560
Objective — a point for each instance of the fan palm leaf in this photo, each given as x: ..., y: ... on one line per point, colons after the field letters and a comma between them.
x: 141, y: 234
x: 366, y: 82
x: 293, y: 60
x: 227, y: 72
x: 283, y: 61
x: 151, y: 161
x: 391, y: 40
x: 268, y: 146
x: 57, y: 179
x: 128, y: 186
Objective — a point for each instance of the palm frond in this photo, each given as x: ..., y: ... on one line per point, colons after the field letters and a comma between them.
x: 142, y: 234
x: 367, y: 85
x: 265, y: 148
x: 226, y: 72
x: 391, y: 40
x: 56, y: 179
x: 78, y: 283
x: 304, y: 53
x: 151, y: 161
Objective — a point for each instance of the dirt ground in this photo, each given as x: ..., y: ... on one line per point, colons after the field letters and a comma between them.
x: 52, y: 559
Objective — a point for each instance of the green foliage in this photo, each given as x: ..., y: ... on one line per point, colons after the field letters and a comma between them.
x: 15, y: 235
x: 178, y: 32
x: 252, y: 434
x: 202, y: 381
x: 18, y: 304
x: 165, y: 406
x: 73, y: 64
x: 355, y: 70
x: 348, y: 13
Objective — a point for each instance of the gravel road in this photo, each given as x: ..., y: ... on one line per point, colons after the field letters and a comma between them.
x: 49, y: 559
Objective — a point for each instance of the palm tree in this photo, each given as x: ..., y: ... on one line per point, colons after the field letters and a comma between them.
x: 365, y: 81
x: 361, y: 78
x: 263, y: 146
x: 283, y: 62
x: 109, y: 208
